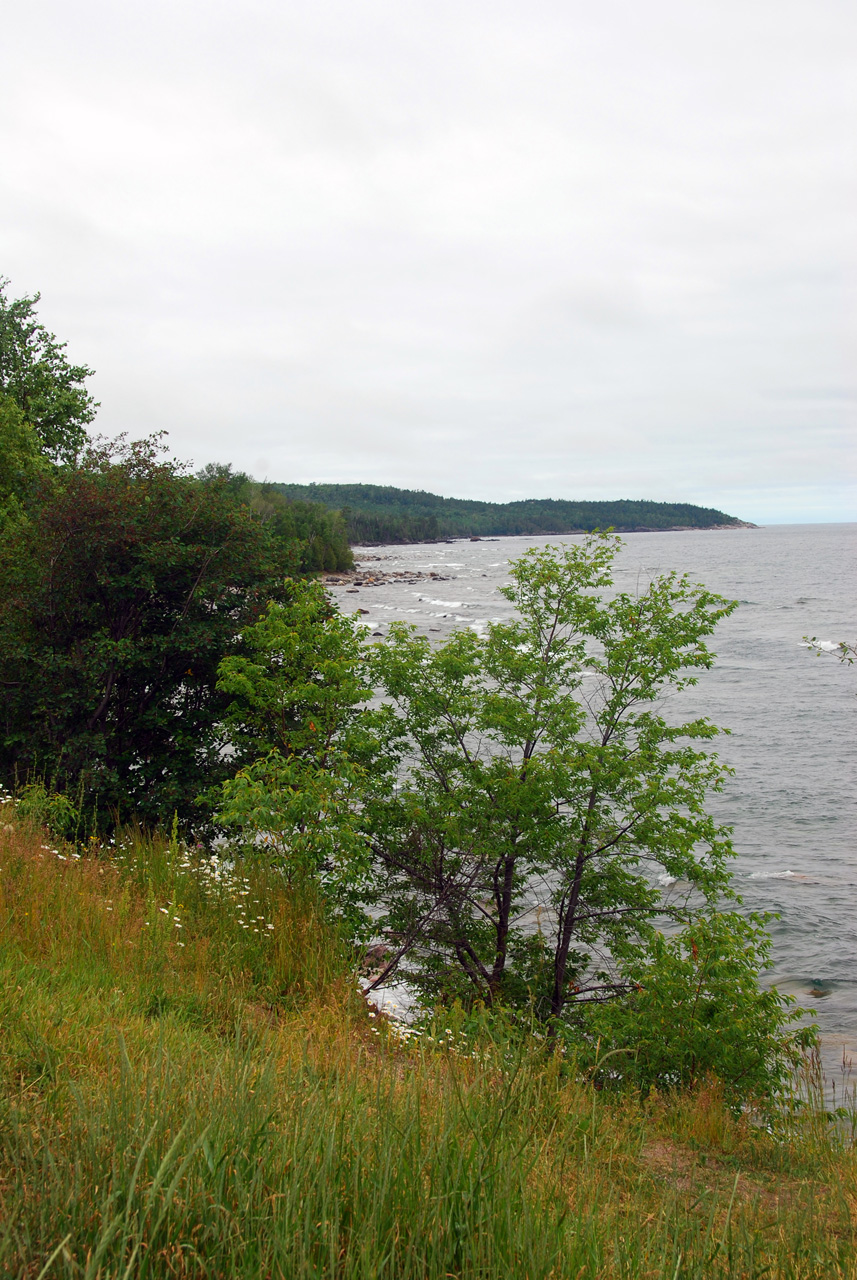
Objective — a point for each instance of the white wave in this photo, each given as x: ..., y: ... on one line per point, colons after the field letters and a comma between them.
x: 775, y: 875
x: 443, y: 604
x: 666, y: 879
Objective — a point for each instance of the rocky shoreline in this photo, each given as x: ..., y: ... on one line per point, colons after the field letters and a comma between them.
x: 358, y: 577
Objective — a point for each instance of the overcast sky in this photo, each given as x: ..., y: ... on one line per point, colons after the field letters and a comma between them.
x: 550, y: 248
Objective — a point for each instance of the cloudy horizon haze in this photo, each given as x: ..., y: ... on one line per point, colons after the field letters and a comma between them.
x: 496, y: 251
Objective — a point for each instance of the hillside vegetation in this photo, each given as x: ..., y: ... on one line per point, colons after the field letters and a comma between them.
x: 191, y: 1081
x: 384, y: 514
x: 125, y: 581
x: 192, y: 1086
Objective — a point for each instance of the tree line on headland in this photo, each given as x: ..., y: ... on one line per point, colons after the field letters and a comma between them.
x: 383, y: 514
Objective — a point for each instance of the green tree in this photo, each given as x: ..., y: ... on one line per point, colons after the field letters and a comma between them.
x: 320, y: 535
x: 696, y: 1010
x: 36, y: 374
x: 123, y: 589
x: 530, y: 789
x: 21, y: 461
x: 296, y: 687
x: 295, y: 698
x: 515, y: 811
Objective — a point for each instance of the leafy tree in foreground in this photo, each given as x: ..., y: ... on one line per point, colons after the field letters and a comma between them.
x: 506, y: 813
x: 294, y: 710
x: 530, y: 790
x: 696, y: 1010
x: 123, y: 588
x: 36, y: 374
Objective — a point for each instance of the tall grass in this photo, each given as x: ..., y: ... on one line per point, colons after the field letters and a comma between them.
x: 188, y: 1092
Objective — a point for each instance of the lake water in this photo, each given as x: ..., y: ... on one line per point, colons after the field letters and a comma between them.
x: 793, y: 717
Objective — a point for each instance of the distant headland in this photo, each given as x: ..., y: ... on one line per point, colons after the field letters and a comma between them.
x: 382, y: 514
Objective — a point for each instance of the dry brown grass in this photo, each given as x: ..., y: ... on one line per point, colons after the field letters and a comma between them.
x: 110, y: 1024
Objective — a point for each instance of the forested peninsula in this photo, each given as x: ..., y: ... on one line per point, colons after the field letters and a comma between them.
x: 375, y: 514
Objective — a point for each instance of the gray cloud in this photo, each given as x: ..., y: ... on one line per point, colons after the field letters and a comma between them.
x: 497, y: 250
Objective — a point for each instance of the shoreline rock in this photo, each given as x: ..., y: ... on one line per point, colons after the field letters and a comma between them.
x: 357, y: 578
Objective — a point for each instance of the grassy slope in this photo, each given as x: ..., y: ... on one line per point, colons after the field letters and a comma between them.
x: 215, y: 1100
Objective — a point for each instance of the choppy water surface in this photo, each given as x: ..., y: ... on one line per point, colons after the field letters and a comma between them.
x: 792, y: 716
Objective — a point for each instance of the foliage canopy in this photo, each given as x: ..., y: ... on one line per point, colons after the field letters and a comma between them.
x: 521, y: 818
x: 36, y: 374
x: 532, y: 790
x: 294, y: 713
x: 382, y: 514
x: 696, y: 1010
x: 21, y: 460
x: 124, y: 587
